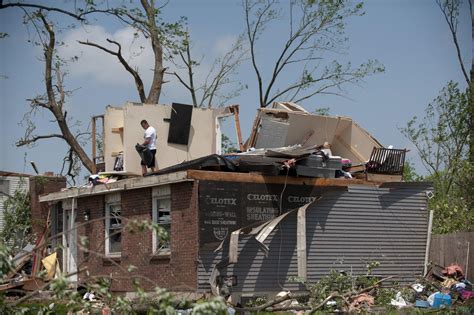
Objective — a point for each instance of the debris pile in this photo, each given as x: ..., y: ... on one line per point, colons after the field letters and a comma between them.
x: 448, y: 286
x: 315, y: 161
x: 31, y: 270
x: 295, y: 160
x: 341, y: 292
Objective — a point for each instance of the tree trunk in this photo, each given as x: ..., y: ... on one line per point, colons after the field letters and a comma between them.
x: 158, y: 71
x: 53, y: 106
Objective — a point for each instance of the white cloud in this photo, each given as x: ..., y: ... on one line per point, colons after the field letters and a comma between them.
x: 102, y: 66
x: 224, y: 44
x: 95, y: 64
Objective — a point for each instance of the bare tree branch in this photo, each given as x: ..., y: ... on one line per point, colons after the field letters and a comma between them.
x: 52, y: 105
x: 31, y: 140
x: 146, y: 21
x: 138, y: 81
x: 253, y: 28
x: 181, y: 81
x: 450, y: 10
x: 319, y: 28
x: 217, y: 77
x: 41, y: 7
x: 189, y: 65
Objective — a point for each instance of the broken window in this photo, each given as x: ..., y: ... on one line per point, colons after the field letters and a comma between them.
x: 226, y: 135
x: 162, y: 217
x: 4, y: 187
x: 113, y: 226
x: 57, y: 230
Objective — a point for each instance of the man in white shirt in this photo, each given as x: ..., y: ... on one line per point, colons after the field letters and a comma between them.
x: 150, y: 144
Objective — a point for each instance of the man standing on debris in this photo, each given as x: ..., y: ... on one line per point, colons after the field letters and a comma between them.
x: 150, y: 144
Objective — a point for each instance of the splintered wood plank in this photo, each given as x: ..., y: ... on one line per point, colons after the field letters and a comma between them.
x: 257, y: 178
x: 117, y: 130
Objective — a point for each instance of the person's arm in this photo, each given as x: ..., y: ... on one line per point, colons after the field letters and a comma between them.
x: 147, y: 138
x: 147, y: 141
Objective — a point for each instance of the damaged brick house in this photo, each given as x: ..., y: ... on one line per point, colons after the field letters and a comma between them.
x: 271, y: 224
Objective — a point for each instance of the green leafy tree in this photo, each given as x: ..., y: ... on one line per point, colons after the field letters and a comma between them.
x: 410, y: 174
x: 441, y: 138
x: 17, y: 220
x: 227, y: 144
x: 154, y: 300
x: 323, y: 111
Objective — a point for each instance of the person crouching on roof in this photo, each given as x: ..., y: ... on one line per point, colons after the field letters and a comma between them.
x: 150, y: 143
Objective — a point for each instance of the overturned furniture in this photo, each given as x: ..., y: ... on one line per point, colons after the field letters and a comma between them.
x: 386, y: 164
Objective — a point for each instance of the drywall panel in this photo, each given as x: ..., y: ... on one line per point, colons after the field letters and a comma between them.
x: 201, y: 135
x: 273, y: 133
x: 342, y: 144
x: 347, y: 139
x: 113, y: 139
x: 363, y: 141
x: 319, y: 129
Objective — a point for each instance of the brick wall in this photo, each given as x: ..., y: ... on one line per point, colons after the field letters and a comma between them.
x: 42, y: 185
x: 89, y: 253
x: 177, y: 271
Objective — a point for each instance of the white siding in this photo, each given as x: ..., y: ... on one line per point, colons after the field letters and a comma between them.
x: 15, y: 182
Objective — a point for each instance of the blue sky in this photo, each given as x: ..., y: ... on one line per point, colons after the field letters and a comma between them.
x: 410, y: 38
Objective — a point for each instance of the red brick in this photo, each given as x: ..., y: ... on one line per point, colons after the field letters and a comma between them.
x: 42, y: 185
x: 178, y: 272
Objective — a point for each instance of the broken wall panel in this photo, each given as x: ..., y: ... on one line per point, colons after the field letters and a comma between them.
x: 323, y: 128
x: 202, y: 127
x: 347, y: 139
x: 289, y: 106
x: 345, y: 230
x: 272, y: 133
x: 113, y: 137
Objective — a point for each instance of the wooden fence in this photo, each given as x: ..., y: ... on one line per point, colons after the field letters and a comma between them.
x: 455, y: 248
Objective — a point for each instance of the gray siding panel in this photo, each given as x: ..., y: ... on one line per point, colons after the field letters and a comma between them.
x: 345, y: 231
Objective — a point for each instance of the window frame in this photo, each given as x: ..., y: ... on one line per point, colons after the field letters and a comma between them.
x: 161, y: 193
x: 108, y: 207
x: 5, y: 184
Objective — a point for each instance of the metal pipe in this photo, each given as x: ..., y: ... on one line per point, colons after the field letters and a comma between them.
x: 94, y: 145
x: 428, y: 242
x: 467, y: 260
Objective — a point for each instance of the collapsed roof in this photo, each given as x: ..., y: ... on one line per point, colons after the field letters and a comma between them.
x: 190, y: 138
x: 288, y: 124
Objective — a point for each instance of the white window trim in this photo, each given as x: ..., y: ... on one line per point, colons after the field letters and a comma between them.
x: 108, y: 205
x: 159, y: 193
